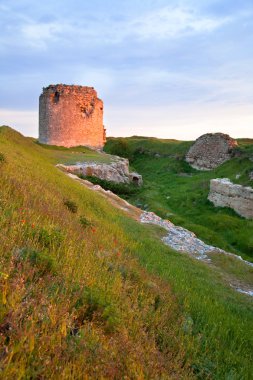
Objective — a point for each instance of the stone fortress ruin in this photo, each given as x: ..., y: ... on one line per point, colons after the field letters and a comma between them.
x: 211, y: 150
x: 71, y: 116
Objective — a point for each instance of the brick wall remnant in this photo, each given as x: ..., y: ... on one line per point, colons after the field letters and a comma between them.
x: 71, y: 116
x: 210, y: 150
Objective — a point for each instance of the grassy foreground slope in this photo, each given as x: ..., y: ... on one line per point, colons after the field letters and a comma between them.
x: 87, y: 292
x: 178, y: 192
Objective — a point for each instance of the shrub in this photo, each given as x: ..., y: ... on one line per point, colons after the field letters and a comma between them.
x: 117, y: 188
x: 71, y: 205
x: 2, y: 158
x: 44, y: 262
x: 94, y: 305
x: 85, y: 222
x: 48, y: 238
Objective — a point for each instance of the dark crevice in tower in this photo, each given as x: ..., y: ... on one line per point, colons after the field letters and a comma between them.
x: 56, y: 97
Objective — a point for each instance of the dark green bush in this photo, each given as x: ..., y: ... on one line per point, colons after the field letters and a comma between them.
x: 93, y: 304
x: 43, y: 261
x: 48, y: 238
x: 2, y: 158
x: 71, y: 205
x: 85, y: 222
x: 117, y: 188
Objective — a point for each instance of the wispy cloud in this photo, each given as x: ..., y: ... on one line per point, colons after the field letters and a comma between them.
x: 38, y: 35
x: 158, y: 24
x: 175, y: 22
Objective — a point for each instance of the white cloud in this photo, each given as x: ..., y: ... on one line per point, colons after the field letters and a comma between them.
x: 39, y: 34
x: 174, y: 22
x: 158, y: 24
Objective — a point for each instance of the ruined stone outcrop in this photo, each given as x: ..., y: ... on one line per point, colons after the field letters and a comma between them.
x: 224, y: 193
x: 71, y: 116
x: 210, y: 150
x: 117, y: 171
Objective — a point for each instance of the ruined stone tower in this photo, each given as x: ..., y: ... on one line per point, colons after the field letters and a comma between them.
x: 71, y: 116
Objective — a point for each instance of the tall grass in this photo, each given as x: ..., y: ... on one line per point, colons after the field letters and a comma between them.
x: 74, y: 300
x: 103, y: 299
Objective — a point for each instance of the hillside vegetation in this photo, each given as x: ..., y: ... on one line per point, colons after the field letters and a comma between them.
x: 178, y: 192
x: 87, y: 292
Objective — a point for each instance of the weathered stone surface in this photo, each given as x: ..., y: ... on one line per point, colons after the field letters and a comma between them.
x: 224, y: 193
x: 117, y: 171
x: 71, y: 116
x: 210, y: 151
x: 251, y: 176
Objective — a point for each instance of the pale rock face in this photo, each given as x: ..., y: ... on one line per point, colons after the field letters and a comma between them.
x: 210, y: 150
x: 117, y: 171
x: 224, y: 193
x: 251, y: 176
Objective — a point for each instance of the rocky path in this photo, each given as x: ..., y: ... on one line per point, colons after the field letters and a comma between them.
x: 178, y: 238
x: 184, y: 240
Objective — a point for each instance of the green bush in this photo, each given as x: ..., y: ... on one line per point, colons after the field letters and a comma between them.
x: 85, y: 222
x: 117, y: 188
x: 2, y: 158
x: 93, y: 304
x: 43, y: 261
x: 49, y: 238
x: 71, y: 205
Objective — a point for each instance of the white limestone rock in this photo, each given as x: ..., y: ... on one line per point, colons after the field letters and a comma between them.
x: 223, y: 193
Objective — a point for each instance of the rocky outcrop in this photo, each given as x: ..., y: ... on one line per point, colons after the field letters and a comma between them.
x: 116, y: 171
x: 224, y: 193
x: 210, y: 151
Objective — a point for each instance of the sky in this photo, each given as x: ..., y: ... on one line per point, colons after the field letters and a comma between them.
x: 164, y: 68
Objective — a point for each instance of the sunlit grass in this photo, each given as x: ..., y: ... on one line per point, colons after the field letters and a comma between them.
x: 94, y: 293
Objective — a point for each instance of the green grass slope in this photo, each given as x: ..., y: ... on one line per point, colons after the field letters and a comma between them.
x: 87, y: 292
x: 175, y: 191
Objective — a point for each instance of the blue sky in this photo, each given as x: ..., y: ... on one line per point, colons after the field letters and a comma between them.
x: 172, y: 69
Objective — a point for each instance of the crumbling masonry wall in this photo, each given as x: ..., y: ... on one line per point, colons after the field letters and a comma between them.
x: 211, y: 150
x: 71, y: 116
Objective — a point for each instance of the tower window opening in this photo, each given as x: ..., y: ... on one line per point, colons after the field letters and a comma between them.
x: 56, y: 97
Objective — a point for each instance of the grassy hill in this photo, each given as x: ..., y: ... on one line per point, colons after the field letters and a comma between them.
x: 87, y: 292
x: 176, y: 191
